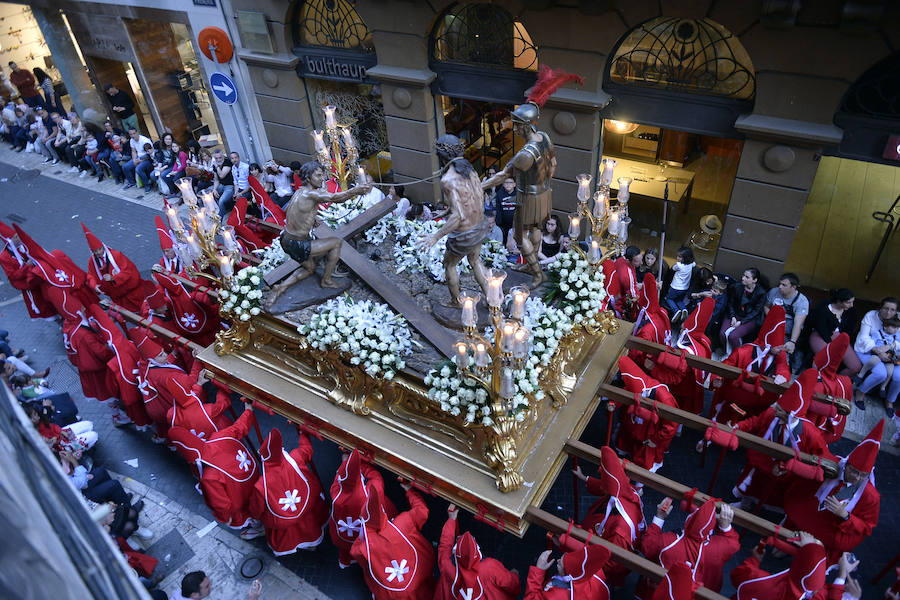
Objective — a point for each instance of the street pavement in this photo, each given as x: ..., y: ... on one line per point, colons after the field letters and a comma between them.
x: 48, y: 203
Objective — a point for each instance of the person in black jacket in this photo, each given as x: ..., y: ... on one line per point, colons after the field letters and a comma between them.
x: 123, y: 106
x: 827, y: 321
x: 743, y: 309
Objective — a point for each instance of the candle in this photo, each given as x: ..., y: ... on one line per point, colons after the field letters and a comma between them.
x: 361, y: 176
x: 520, y: 345
x: 613, y: 226
x: 482, y: 359
x: 519, y: 297
x: 186, y: 186
x: 330, y: 123
x: 174, y: 221
x: 507, y: 385
x: 495, y: 279
x: 192, y: 244
x: 349, y: 142
x: 462, y: 356
x: 594, y: 253
x: 623, y: 229
x: 584, y: 187
x: 318, y: 140
x: 200, y: 221
x: 624, y: 192
x: 225, y: 266
x: 574, y: 227
x: 507, y: 337
x: 469, y: 303
x: 601, y: 204
x: 209, y: 201
x: 229, y: 240
x: 607, y: 165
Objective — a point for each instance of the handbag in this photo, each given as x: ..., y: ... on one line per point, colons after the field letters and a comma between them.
x: 191, y: 171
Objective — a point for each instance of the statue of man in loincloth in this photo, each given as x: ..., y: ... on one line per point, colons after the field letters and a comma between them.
x: 300, y: 219
x: 465, y: 226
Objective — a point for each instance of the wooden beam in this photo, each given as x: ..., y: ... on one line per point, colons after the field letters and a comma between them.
x: 193, y: 285
x: 747, y: 440
x: 157, y: 329
x: 632, y: 561
x: 729, y: 372
x: 676, y: 490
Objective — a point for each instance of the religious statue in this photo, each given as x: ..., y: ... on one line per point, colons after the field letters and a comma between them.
x: 300, y: 219
x: 532, y: 167
x: 465, y: 224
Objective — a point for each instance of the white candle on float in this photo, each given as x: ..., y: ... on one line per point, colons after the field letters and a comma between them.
x: 495, y: 279
x: 209, y: 201
x: 462, y: 356
x: 330, y: 122
x: 601, y: 204
x: 624, y: 193
x: 225, y: 266
x: 228, y: 240
x: 482, y: 358
x: 361, y: 175
x: 186, y: 187
x: 574, y: 227
x: 520, y: 345
x: 349, y: 142
x: 318, y: 140
x: 174, y: 222
x: 507, y: 385
x: 623, y: 229
x: 594, y: 253
x: 613, y: 225
x: 507, y: 337
x: 191, y: 240
x: 519, y: 298
x: 607, y: 165
x: 584, y: 187
x: 469, y: 302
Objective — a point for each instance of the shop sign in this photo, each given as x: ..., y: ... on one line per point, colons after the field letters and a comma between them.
x: 318, y: 64
x: 102, y: 36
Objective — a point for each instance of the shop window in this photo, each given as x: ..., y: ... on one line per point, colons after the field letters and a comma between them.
x: 483, y: 34
x: 877, y: 93
x: 332, y: 24
x: 685, y: 55
x: 358, y: 106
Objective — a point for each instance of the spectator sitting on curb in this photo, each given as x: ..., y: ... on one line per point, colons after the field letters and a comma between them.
x: 196, y: 585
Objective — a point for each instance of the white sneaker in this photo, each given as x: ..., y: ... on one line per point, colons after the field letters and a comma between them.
x: 253, y: 533
x: 143, y: 533
x: 55, y: 161
x: 83, y: 174
x: 73, y: 169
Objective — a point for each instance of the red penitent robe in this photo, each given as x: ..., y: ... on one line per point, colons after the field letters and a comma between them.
x: 190, y: 412
x: 21, y: 277
x: 745, y: 392
x: 89, y: 353
x: 640, y: 425
x: 288, y: 497
x: 753, y: 583
x: 125, y: 287
x: 757, y: 480
x: 396, y: 559
x: 484, y: 578
x: 228, y: 469
x: 621, y: 527
x: 157, y: 389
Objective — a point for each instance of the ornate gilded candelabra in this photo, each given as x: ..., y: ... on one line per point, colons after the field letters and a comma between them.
x: 337, y: 160
x: 493, y: 363
x: 199, y: 249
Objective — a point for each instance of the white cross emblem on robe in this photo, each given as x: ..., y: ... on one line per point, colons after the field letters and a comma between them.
x: 199, y: 434
x: 243, y: 460
x: 62, y: 275
x: 189, y: 320
x: 349, y: 526
x: 396, y: 571
x: 467, y: 593
x: 290, y: 500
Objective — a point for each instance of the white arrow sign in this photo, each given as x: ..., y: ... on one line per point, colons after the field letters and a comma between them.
x: 224, y: 88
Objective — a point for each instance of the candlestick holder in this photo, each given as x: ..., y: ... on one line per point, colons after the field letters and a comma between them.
x: 341, y: 153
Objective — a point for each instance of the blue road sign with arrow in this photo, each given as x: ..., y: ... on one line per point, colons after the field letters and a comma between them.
x: 223, y: 88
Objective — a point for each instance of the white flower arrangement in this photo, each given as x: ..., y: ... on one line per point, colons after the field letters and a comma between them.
x: 408, y: 253
x: 272, y: 256
x: 243, y: 298
x: 368, y: 332
x: 336, y: 214
x: 577, y: 287
x: 464, y: 397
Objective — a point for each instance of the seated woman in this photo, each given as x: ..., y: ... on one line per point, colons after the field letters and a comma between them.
x: 826, y: 321
x: 419, y: 212
x: 878, y: 365
x: 650, y: 264
x: 550, y: 240
x: 743, y: 310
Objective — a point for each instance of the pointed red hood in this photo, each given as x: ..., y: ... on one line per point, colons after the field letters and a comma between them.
x: 610, y: 281
x: 678, y: 584
x: 612, y: 475
x: 863, y: 456
x: 796, y: 398
x: 6, y: 231
x: 272, y: 213
x: 467, y: 555
x: 688, y: 547
x: 145, y: 343
x: 828, y: 359
x: 700, y: 524
x: 807, y: 571
x: 693, y: 331
x: 584, y: 562
x: 238, y: 214
x: 648, y: 296
x: 373, y: 516
x: 165, y: 236
x: 271, y: 450
x: 772, y: 331
x: 636, y: 380
x: 93, y: 241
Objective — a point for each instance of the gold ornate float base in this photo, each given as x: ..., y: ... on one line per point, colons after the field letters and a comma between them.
x: 399, y: 428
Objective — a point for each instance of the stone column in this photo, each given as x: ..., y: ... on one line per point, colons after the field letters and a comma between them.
x: 81, y: 89
x: 410, y: 117
x: 777, y: 167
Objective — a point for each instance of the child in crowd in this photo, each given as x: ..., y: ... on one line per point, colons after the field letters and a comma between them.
x: 75, y: 438
x: 682, y: 273
x: 887, y: 336
x: 89, y: 160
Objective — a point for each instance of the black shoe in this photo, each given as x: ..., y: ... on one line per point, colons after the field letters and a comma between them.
x: 100, y: 178
x: 138, y: 506
x: 860, y: 404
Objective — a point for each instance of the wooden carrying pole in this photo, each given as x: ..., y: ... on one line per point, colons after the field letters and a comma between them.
x: 193, y: 285
x: 728, y: 372
x: 677, y: 491
x: 158, y: 330
x: 747, y: 440
x: 632, y: 561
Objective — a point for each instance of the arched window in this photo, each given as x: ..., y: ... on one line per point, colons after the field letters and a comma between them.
x: 877, y: 93
x: 332, y: 24
x: 685, y: 55
x: 483, y: 34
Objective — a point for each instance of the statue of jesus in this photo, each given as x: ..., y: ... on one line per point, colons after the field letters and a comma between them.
x: 300, y: 219
x: 465, y: 226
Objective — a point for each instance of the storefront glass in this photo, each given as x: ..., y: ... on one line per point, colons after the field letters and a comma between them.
x: 691, y: 174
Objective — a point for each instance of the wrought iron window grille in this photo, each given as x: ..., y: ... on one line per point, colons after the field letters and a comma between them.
x: 483, y: 34
x: 332, y: 24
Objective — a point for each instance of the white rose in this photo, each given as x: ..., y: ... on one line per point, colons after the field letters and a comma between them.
x: 254, y: 311
x: 245, y: 317
x: 254, y: 280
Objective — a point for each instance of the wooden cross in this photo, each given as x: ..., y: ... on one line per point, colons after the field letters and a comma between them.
x: 399, y: 299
